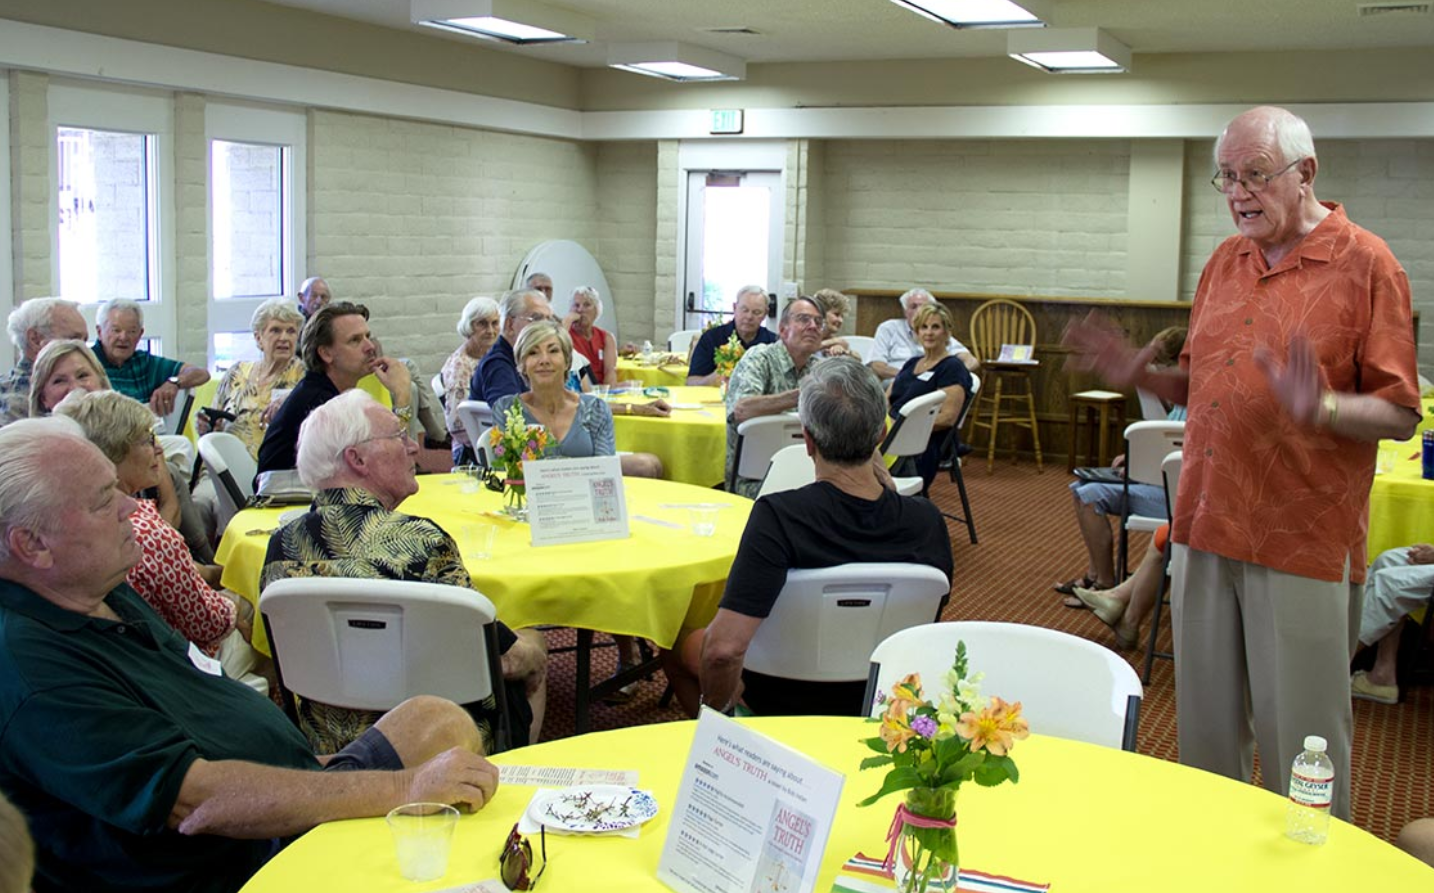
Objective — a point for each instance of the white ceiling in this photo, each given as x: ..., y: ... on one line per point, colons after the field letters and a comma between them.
x: 833, y: 30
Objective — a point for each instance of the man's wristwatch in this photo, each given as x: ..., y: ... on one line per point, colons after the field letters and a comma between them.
x: 174, y: 380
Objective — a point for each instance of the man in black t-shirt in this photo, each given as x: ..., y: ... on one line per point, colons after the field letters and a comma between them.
x: 850, y: 514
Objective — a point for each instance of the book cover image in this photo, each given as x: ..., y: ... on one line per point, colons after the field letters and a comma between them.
x: 785, y: 850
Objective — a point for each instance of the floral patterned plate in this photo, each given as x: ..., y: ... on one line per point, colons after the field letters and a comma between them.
x: 592, y: 808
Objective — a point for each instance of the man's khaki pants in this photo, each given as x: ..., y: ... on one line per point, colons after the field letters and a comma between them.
x: 1261, y: 656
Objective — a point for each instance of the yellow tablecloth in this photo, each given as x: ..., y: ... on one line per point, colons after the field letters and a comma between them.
x: 651, y: 584
x: 692, y: 442
x: 672, y: 375
x: 1085, y: 819
x: 1401, y: 502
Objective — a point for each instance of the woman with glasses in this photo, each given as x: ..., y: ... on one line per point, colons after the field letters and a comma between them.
x: 932, y: 371
x: 166, y: 576
x: 478, y: 325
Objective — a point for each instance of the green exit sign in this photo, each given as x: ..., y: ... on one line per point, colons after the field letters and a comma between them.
x: 726, y: 120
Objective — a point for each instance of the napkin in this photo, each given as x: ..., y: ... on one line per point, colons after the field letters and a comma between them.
x: 863, y: 874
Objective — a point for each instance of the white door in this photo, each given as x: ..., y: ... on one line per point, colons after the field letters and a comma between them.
x: 734, y: 238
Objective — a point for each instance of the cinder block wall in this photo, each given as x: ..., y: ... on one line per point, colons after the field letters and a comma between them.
x: 625, y: 243
x: 1011, y: 217
x: 413, y: 219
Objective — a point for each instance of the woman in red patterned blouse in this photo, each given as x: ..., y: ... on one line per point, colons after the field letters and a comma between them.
x: 597, y: 345
x: 166, y: 576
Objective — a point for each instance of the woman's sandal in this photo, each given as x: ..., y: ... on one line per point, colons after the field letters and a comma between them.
x: 1068, y: 589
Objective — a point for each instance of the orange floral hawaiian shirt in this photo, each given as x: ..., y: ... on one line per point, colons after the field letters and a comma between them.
x: 1256, y: 487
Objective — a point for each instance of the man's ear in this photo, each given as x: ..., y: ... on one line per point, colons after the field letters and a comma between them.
x: 34, y: 341
x: 811, y: 444
x: 29, y: 548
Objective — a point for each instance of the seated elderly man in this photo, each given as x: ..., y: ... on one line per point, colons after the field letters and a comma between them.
x: 896, y: 340
x: 139, y: 764
x: 766, y: 378
x: 338, y: 350
x: 32, y: 325
x: 748, y: 313
x: 314, y: 296
x: 1399, y: 582
x: 359, y: 461
x: 849, y: 514
x: 497, y: 373
x: 138, y: 373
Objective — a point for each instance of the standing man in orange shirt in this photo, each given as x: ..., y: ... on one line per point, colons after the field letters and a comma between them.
x: 1300, y: 358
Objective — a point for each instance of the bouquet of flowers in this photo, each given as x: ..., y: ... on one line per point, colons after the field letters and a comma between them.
x: 934, y: 745
x: 726, y: 356
x: 514, y: 442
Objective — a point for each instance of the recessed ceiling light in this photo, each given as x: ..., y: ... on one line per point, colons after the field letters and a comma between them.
x: 1069, y: 51
x: 521, y: 22
x: 980, y: 13
x: 676, y: 61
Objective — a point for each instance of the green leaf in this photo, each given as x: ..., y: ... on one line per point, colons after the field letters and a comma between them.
x: 994, y: 771
x: 898, y: 779
x: 877, y: 744
x: 872, y: 762
x: 963, y: 768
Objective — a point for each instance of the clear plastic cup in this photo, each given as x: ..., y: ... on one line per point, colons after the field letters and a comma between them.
x: 601, y: 391
x: 478, y: 540
x: 422, y: 834
x: 703, y: 519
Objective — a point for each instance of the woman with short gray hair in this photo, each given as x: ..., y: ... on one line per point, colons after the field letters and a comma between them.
x: 247, y: 390
x: 597, y: 346
x: 479, y: 326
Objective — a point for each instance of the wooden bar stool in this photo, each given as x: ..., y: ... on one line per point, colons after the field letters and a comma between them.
x: 1008, y: 395
x: 1111, y: 408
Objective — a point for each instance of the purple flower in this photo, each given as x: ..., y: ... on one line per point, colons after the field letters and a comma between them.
x: 924, y: 726
x: 498, y: 450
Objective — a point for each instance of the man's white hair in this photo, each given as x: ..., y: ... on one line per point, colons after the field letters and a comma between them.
x: 30, y: 485
x: 328, y: 432
x: 515, y: 301
x: 1292, y: 135
x: 37, y: 314
x: 914, y: 293
x: 119, y: 305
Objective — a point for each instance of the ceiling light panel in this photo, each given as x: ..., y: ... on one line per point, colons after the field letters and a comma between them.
x: 1069, y: 51
x: 981, y: 13
x: 511, y: 21
x: 676, y: 61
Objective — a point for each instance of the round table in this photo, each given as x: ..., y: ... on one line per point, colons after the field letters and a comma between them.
x: 659, y: 580
x: 668, y: 376
x: 1085, y: 819
x: 1401, y: 502
x: 691, y: 442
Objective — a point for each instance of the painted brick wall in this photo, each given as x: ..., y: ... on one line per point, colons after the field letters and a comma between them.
x: 1386, y: 186
x: 669, y: 181
x: 30, y: 184
x: 1014, y: 217
x: 626, y: 238
x: 413, y: 219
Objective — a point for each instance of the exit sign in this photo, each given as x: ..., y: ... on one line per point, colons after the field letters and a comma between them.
x: 726, y: 120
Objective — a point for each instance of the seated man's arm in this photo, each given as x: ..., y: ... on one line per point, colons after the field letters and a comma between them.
x: 192, y: 376
x: 764, y: 404
x: 248, y: 800
x: 701, y: 366
x: 723, y: 651
x: 395, y: 379
x: 880, y: 356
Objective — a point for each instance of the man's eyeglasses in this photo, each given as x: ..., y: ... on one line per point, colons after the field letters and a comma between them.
x: 516, y: 860
x: 532, y: 318
x: 805, y: 319
x: 1254, y: 182
x: 397, y: 435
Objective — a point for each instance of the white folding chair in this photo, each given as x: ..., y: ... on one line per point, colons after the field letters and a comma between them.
x: 1068, y: 687
x: 233, y: 469
x: 372, y: 644
x: 178, y: 417
x: 1170, y: 474
x: 1151, y: 408
x: 826, y: 620
x: 483, y: 448
x: 438, y: 388
x: 861, y: 345
x: 476, y: 416
x: 910, y: 434
x: 681, y: 340
x: 791, y: 468
x: 758, y: 441
x: 1146, y: 446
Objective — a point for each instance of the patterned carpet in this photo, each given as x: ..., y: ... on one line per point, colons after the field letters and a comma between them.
x: 1028, y: 541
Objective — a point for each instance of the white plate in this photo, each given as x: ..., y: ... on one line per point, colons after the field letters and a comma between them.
x: 592, y: 808
x: 685, y: 405
x: 292, y: 515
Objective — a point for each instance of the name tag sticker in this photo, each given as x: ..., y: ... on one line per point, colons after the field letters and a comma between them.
x: 204, y: 661
x: 925, y: 376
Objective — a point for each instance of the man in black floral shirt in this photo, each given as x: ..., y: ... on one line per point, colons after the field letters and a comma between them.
x: 358, y: 458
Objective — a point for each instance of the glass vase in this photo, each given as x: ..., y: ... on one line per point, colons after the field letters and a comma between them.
x: 516, y: 493
x: 927, y: 856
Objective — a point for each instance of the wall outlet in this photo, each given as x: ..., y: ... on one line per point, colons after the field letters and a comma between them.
x: 789, y: 290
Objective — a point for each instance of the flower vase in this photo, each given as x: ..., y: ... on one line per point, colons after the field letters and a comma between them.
x: 722, y: 386
x: 516, y: 492
x: 927, y: 857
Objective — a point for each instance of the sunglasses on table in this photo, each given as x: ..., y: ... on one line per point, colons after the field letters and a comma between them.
x: 516, y: 861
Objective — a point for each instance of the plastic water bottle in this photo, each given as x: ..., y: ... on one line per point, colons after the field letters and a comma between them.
x: 647, y: 348
x: 1429, y: 455
x: 1311, y: 788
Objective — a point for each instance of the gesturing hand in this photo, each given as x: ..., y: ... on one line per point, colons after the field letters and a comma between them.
x: 1099, y: 346
x: 1296, y: 384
